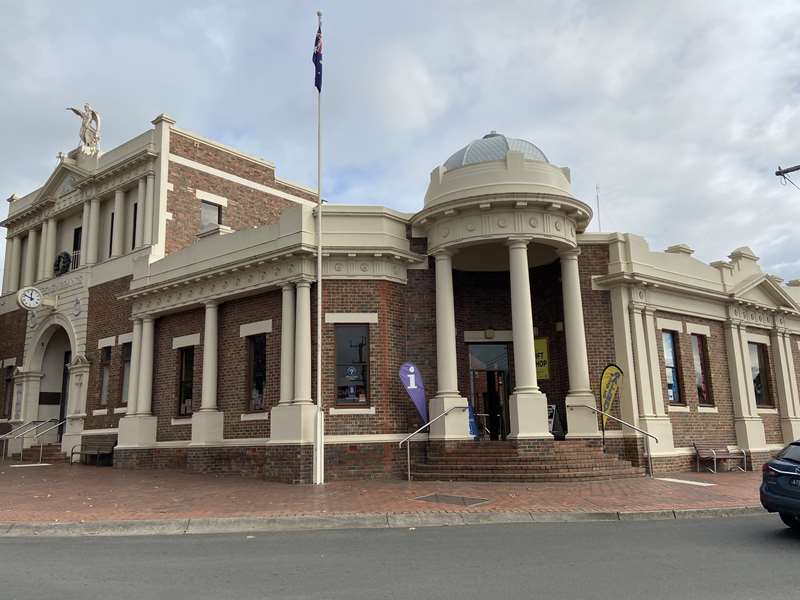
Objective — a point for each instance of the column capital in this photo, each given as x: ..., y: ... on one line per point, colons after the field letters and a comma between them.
x: 148, y: 319
x: 288, y: 286
x: 518, y: 242
x: 569, y: 253
x: 443, y: 254
x: 212, y: 303
x: 303, y: 283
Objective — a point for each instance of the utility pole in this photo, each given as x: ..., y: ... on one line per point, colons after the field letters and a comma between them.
x: 784, y: 174
x: 597, y: 202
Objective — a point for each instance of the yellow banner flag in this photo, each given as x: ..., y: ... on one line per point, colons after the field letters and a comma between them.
x: 610, y: 388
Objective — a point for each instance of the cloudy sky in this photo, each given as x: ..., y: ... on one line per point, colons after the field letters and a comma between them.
x: 679, y: 111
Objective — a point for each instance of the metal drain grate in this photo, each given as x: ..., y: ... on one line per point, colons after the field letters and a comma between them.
x: 447, y: 499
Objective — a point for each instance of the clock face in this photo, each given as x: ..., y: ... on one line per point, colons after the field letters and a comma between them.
x: 29, y: 298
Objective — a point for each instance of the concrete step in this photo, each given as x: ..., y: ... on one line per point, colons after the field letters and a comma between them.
x: 530, y: 477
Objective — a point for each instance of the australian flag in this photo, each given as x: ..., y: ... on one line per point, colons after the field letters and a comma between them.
x: 317, y: 60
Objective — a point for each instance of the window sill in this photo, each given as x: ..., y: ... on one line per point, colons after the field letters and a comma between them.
x: 707, y: 409
x: 362, y: 410
x: 99, y: 412
x: 181, y: 421
x: 678, y: 408
x: 121, y: 410
x: 254, y: 416
x: 767, y: 411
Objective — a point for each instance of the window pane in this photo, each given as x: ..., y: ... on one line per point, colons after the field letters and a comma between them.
x: 126, y: 370
x: 669, y: 341
x: 104, y: 385
x: 352, y: 360
x: 669, y: 348
x: 8, y: 392
x: 257, y: 350
x: 210, y: 215
x: 758, y: 368
x: 185, y: 391
x: 699, y: 357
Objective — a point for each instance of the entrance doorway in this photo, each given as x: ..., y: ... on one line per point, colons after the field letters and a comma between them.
x: 54, y: 387
x: 488, y: 385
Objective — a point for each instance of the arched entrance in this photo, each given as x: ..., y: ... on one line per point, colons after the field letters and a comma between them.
x: 54, y: 384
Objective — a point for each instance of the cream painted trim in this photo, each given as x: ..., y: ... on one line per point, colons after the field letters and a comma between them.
x: 707, y: 409
x: 475, y: 337
x: 352, y: 411
x: 351, y: 317
x: 106, y: 431
x: 670, y: 324
x: 236, y: 179
x: 182, y: 421
x: 767, y: 411
x: 758, y: 338
x: 125, y: 338
x: 170, y: 186
x: 99, y: 411
x: 121, y: 410
x: 255, y: 328
x: 689, y: 451
x: 696, y: 328
x: 772, y: 447
x: 106, y: 342
x: 678, y: 408
x: 8, y: 362
x: 372, y: 438
x: 258, y: 416
x: 185, y: 341
x: 212, y: 198
x: 168, y: 215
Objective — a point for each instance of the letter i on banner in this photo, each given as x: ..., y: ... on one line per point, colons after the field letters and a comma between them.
x: 411, y: 379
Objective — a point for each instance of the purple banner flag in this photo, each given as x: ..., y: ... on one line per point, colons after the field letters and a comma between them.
x: 412, y: 381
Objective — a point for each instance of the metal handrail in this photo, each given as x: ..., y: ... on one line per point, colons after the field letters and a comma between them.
x: 24, y: 433
x: 428, y: 424
x: 36, y: 437
x: 7, y: 436
x: 626, y: 424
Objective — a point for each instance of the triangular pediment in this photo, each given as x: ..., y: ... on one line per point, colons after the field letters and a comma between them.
x: 764, y: 291
x: 62, y: 181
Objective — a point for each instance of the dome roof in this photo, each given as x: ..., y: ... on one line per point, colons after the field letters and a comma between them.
x: 492, y: 146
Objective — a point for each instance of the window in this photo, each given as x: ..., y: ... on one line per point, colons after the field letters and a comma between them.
x: 670, y: 341
x: 700, y: 358
x: 759, y: 368
x: 257, y: 371
x: 105, y: 372
x: 210, y: 215
x: 77, y: 233
x: 133, y: 233
x: 111, y: 236
x: 185, y: 381
x: 126, y: 371
x: 8, y: 393
x: 352, y: 360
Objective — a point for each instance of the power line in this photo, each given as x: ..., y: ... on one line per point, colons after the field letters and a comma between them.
x: 784, y: 174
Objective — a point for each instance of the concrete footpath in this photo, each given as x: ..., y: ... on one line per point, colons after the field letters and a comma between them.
x: 60, y: 500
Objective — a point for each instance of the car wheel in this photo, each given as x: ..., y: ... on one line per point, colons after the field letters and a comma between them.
x: 792, y: 521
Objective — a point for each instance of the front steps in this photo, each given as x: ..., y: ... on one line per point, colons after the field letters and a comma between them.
x: 51, y: 453
x: 572, y: 460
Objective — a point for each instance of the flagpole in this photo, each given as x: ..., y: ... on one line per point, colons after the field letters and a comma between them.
x: 319, y: 429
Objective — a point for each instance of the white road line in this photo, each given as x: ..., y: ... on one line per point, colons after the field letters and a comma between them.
x: 686, y: 481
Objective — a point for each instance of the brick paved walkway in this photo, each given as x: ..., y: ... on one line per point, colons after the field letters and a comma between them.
x: 64, y: 494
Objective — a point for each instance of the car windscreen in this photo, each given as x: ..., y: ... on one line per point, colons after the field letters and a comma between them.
x: 791, y: 453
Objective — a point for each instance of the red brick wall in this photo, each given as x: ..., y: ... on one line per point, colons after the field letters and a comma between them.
x: 107, y: 317
x: 12, y: 344
x: 165, y: 371
x: 232, y: 392
x: 717, y: 427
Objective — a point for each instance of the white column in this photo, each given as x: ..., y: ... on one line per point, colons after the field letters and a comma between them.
x: 149, y: 210
x: 302, y: 340
x: 208, y: 422
x: 787, y: 388
x: 133, y: 380
x: 287, y: 344
x: 653, y: 337
x: 7, y: 266
x: 50, y: 247
x: 118, y: 236
x: 749, y: 426
x: 456, y: 424
x: 144, y: 404
x: 94, y: 231
x: 40, y: 264
x: 581, y: 422
x: 140, y: 208
x: 14, y: 266
x: 527, y: 405
x: 29, y: 274
x: 85, y: 232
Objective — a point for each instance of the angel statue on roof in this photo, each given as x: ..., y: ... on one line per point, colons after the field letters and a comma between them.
x: 90, y: 129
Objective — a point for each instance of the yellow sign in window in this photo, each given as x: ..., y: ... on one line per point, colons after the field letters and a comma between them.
x: 542, y: 349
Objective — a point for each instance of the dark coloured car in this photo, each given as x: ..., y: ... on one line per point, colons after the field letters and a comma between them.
x: 780, y: 487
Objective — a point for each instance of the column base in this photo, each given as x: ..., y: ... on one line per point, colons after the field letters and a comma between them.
x: 72, y: 434
x: 661, y: 427
x: 292, y: 423
x: 581, y: 422
x: 207, y: 427
x: 137, y: 431
x: 455, y: 426
x: 528, y: 412
x: 750, y: 433
x: 790, y: 426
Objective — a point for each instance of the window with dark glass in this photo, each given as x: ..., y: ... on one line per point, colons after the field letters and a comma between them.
x: 700, y: 358
x: 210, y: 215
x: 759, y: 367
x: 105, y: 374
x: 257, y: 371
x: 126, y: 371
x: 8, y: 392
x: 77, y: 233
x: 133, y: 233
x: 185, y: 381
x: 670, y: 341
x: 111, y: 236
x: 352, y: 360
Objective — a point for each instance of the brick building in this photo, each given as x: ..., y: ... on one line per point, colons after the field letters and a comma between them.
x: 178, y: 315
